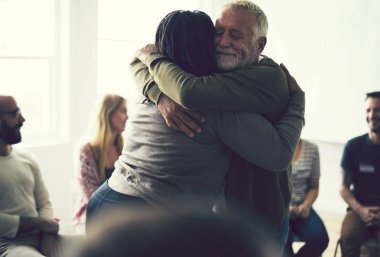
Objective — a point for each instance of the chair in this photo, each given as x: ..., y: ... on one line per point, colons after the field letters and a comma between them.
x: 371, y: 242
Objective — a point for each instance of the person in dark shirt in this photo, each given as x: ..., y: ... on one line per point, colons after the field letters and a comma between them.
x: 361, y: 170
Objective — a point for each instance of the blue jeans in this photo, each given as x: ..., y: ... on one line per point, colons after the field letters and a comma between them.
x: 106, y: 200
x: 312, y: 231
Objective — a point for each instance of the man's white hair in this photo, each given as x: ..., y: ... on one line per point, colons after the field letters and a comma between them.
x: 260, y: 28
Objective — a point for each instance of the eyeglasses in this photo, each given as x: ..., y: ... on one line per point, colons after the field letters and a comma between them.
x: 15, y: 113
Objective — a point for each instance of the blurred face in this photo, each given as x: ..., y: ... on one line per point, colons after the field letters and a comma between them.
x: 11, y: 120
x: 234, y: 40
x: 118, y: 118
x: 373, y: 114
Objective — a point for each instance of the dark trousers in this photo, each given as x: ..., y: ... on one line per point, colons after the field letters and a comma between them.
x: 354, y: 233
x: 310, y: 230
x: 105, y: 201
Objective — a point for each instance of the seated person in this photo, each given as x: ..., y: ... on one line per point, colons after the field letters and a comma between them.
x: 361, y: 171
x: 304, y: 221
x: 97, y: 157
x: 27, y: 226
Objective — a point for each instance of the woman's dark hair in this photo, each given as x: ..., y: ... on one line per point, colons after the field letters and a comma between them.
x: 187, y: 39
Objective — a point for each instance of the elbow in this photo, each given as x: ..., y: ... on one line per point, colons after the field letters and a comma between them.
x: 278, y: 166
x: 342, y: 190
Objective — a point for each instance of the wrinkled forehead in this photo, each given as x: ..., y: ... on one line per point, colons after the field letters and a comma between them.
x: 236, y: 19
x: 7, y: 103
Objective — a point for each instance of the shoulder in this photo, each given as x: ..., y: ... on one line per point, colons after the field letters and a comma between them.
x: 265, y: 65
x: 86, y: 149
x: 310, y: 146
x: 266, y: 61
x: 23, y: 154
x: 24, y: 158
x: 357, y: 141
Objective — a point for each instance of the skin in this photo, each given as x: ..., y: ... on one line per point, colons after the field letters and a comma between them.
x: 372, y: 106
x: 367, y: 213
x: 236, y: 46
x: 117, y: 120
x: 10, y: 119
x: 234, y: 40
x: 48, y: 227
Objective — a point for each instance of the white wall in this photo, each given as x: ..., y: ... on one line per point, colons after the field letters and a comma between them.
x: 332, y: 49
x: 330, y: 46
x: 57, y: 161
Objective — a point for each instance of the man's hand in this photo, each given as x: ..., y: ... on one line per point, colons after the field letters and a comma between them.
x: 43, y: 224
x: 292, y: 83
x: 142, y: 53
x: 367, y: 214
x: 370, y: 215
x: 303, y: 211
x: 178, y: 118
x: 50, y: 226
x: 49, y: 245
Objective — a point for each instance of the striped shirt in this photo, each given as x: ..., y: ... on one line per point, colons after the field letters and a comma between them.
x: 305, y: 170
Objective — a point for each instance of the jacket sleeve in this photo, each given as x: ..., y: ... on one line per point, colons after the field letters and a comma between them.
x: 260, y: 88
x: 88, y: 176
x: 255, y: 139
x: 145, y: 82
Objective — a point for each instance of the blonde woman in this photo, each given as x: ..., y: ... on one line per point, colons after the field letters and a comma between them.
x: 97, y: 157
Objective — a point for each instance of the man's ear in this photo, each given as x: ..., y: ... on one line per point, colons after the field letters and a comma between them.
x: 261, y: 41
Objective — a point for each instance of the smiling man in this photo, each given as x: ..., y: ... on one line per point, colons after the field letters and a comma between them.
x: 247, y: 81
x: 26, y: 224
x: 361, y: 169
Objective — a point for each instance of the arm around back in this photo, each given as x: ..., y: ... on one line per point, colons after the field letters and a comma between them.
x: 259, y: 88
x: 255, y: 139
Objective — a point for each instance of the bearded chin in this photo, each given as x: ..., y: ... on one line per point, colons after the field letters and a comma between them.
x: 376, y: 131
x: 15, y: 138
x: 9, y: 136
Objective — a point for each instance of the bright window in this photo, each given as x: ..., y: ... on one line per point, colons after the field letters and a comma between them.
x: 29, y: 65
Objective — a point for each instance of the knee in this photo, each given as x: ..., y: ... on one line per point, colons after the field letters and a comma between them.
x: 325, y: 240
x: 349, y: 238
x: 319, y: 239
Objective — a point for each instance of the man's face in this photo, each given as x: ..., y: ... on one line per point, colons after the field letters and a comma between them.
x: 234, y: 40
x: 11, y: 120
x: 373, y: 114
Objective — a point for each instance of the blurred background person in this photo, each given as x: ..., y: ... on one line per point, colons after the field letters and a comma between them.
x: 98, y: 155
x: 27, y: 225
x: 360, y: 184
x: 144, y: 232
x: 304, y: 221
